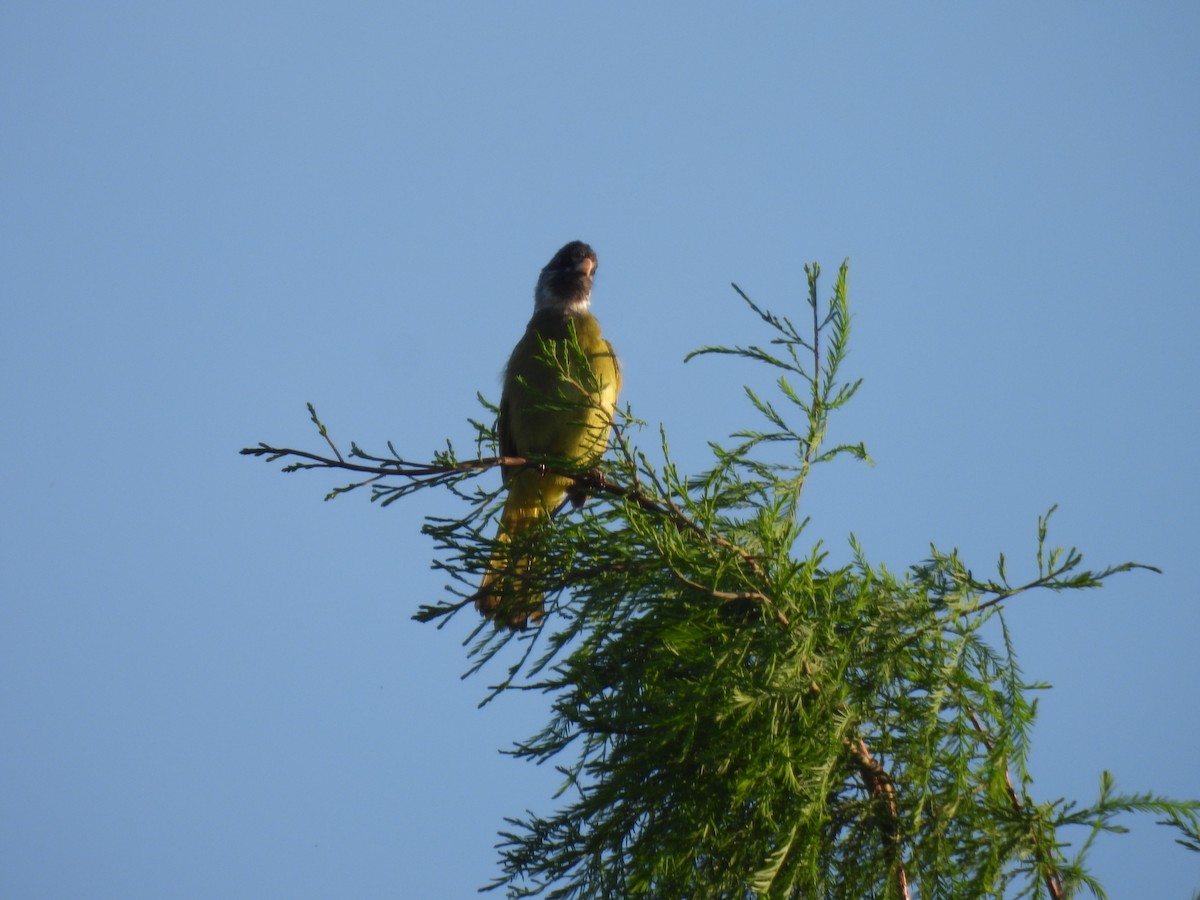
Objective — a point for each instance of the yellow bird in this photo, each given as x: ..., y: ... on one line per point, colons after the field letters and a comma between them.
x: 548, y: 413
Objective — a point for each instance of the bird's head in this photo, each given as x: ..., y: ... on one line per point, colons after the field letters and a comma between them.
x: 566, y: 281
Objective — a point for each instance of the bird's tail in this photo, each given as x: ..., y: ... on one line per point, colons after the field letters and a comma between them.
x: 504, y: 594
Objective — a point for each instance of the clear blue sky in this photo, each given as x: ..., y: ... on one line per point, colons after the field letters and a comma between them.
x: 212, y: 213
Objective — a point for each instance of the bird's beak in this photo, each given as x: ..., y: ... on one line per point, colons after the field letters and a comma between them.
x: 586, y: 266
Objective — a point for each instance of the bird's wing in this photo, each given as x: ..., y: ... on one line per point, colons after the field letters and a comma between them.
x: 508, y: 446
x: 615, y: 388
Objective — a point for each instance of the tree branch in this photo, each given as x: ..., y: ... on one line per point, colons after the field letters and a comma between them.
x: 881, y: 788
x: 1051, y: 877
x: 429, y: 474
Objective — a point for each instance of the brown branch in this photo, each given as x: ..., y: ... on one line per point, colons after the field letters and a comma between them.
x: 664, y: 507
x: 400, y: 467
x: 1052, y: 878
x: 879, y: 784
x: 732, y: 596
x: 594, y: 482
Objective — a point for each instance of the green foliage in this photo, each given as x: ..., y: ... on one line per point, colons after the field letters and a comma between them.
x: 736, y: 718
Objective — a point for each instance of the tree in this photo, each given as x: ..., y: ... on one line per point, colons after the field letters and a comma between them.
x: 734, y: 717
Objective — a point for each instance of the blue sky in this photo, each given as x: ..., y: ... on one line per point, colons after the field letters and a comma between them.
x: 210, y: 684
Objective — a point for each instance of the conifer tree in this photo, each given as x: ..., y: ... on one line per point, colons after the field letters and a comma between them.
x: 734, y: 717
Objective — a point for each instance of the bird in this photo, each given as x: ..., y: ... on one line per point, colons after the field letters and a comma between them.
x: 553, y: 414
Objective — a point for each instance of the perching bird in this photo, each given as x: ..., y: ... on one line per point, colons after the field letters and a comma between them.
x: 548, y: 414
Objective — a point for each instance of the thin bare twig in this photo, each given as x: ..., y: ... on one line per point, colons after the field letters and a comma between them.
x: 593, y: 482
